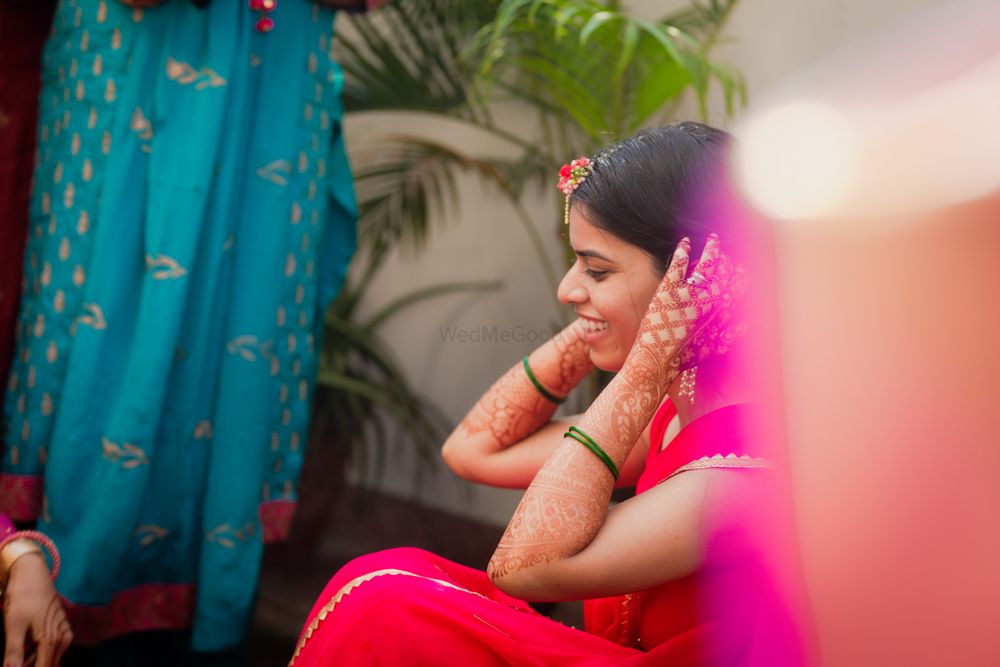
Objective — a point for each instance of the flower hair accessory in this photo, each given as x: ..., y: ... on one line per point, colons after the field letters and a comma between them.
x: 570, y: 177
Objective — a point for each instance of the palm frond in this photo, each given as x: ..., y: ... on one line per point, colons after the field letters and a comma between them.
x: 595, y: 67
x: 408, y: 57
x: 406, y: 180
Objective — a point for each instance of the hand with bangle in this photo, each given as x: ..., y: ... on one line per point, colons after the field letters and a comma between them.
x: 526, y: 396
x: 567, y: 502
x: 30, y: 602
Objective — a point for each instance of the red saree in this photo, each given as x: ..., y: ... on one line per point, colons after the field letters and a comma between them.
x: 410, y: 607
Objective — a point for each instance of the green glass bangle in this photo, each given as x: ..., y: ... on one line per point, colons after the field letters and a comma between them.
x: 538, y: 385
x: 589, y: 443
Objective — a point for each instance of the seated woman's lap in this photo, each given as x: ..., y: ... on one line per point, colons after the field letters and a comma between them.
x: 408, y: 606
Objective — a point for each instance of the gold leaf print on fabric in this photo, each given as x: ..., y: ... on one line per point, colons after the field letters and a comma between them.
x: 83, y: 223
x: 129, y: 455
x: 116, y: 39
x: 255, y: 60
x: 74, y: 145
x: 227, y: 536
x: 163, y: 267
x: 93, y: 317
x: 276, y: 172
x: 52, y: 353
x: 102, y: 11
x: 139, y: 124
x: 46, y: 404
x: 150, y: 533
x: 203, y: 430
x: 186, y: 75
x: 248, y: 347
x: 110, y: 91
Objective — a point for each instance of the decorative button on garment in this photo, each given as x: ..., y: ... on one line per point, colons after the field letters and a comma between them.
x: 263, y: 7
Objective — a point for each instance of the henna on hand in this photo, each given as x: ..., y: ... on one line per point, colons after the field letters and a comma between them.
x: 567, y: 503
x: 512, y: 408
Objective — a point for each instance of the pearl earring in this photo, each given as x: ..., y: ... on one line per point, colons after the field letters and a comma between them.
x: 688, y: 379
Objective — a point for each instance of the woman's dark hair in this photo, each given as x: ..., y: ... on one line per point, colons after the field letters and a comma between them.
x: 650, y: 189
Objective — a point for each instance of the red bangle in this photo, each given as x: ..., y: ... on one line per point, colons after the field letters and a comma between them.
x: 42, y: 540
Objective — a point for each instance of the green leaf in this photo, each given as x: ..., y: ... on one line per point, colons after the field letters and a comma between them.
x: 595, y: 23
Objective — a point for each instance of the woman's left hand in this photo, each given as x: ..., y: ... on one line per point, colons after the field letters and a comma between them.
x: 683, y: 306
x: 31, y: 605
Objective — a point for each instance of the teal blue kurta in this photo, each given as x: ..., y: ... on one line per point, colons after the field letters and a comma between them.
x: 192, y: 216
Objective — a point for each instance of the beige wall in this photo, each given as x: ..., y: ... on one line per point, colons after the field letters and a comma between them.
x: 770, y: 40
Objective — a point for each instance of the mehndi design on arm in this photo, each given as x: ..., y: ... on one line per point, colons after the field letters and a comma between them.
x: 567, y: 502
x: 512, y: 408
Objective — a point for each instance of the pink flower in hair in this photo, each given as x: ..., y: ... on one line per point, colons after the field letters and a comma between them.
x: 573, y: 174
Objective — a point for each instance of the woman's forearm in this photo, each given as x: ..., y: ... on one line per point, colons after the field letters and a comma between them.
x: 567, y: 502
x: 513, y: 408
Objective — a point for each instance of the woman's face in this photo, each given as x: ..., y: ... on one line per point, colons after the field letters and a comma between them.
x: 610, y: 285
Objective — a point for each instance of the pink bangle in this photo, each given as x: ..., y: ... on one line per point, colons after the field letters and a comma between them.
x: 42, y: 540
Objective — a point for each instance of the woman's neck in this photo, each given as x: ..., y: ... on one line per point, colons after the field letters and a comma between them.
x: 709, y: 395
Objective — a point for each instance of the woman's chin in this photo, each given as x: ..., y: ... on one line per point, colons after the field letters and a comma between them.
x: 611, y: 362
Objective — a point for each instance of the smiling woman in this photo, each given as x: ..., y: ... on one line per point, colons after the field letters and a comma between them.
x: 671, y: 576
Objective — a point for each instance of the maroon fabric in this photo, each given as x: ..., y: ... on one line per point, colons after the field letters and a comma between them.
x: 23, y: 29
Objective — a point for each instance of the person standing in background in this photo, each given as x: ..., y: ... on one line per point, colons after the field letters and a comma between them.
x: 192, y: 216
